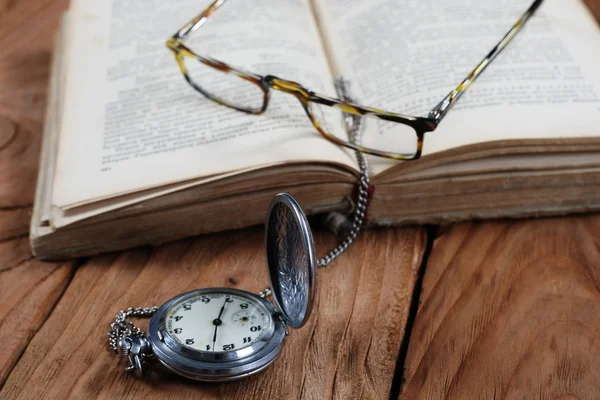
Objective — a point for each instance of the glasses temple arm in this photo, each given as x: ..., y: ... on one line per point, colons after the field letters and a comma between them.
x: 440, y: 111
x: 197, y: 22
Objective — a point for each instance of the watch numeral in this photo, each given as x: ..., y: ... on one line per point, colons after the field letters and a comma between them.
x: 229, y: 346
x: 228, y: 300
x: 244, y: 305
x: 178, y: 317
x: 255, y: 328
x: 189, y: 341
x: 178, y: 331
x: 187, y: 307
x: 205, y: 300
x: 207, y: 347
x: 247, y: 339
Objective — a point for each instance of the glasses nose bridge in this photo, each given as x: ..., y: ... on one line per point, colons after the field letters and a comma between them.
x: 282, y: 85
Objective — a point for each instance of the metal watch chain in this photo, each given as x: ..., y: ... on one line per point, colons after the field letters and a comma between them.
x: 354, y: 129
x: 121, y: 328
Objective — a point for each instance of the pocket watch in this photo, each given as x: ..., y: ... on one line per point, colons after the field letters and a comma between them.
x: 224, y: 334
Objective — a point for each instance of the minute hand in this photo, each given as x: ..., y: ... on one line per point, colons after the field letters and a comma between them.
x: 218, y: 322
x: 222, y: 309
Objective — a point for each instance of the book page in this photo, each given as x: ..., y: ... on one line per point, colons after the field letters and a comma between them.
x: 40, y: 219
x: 132, y: 122
x: 406, y: 56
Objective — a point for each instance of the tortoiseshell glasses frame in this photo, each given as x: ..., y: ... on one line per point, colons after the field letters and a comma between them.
x: 420, y: 125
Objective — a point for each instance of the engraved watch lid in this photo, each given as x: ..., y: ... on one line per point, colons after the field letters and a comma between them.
x: 291, y: 260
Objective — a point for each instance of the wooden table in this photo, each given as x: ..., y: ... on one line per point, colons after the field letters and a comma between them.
x: 476, y: 310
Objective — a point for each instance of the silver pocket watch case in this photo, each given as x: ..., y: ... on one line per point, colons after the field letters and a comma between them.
x: 292, y: 269
x: 291, y: 260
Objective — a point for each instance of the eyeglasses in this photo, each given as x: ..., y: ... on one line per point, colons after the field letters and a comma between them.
x: 400, y: 136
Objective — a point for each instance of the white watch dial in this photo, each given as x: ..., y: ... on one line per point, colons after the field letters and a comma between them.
x: 218, y: 322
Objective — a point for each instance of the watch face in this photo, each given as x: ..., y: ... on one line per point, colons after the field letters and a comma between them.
x: 217, y: 322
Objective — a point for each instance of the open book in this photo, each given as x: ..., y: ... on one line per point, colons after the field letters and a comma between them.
x: 133, y: 155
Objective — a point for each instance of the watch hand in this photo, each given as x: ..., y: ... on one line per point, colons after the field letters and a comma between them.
x: 218, y: 322
x: 214, y: 338
x: 222, y: 309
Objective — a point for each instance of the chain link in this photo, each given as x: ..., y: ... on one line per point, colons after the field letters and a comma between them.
x: 121, y: 328
x: 354, y: 127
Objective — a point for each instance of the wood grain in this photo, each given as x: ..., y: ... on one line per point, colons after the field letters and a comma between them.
x: 347, y: 350
x: 29, y: 289
x: 509, y: 310
x: 594, y: 6
x: 26, y: 37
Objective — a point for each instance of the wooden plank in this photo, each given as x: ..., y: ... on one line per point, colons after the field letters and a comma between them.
x: 14, y: 223
x: 28, y: 289
x: 26, y: 37
x: 347, y: 350
x: 594, y: 6
x: 509, y: 310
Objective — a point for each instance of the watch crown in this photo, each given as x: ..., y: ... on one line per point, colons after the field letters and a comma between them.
x: 125, y: 346
x: 285, y: 327
x: 135, y: 349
